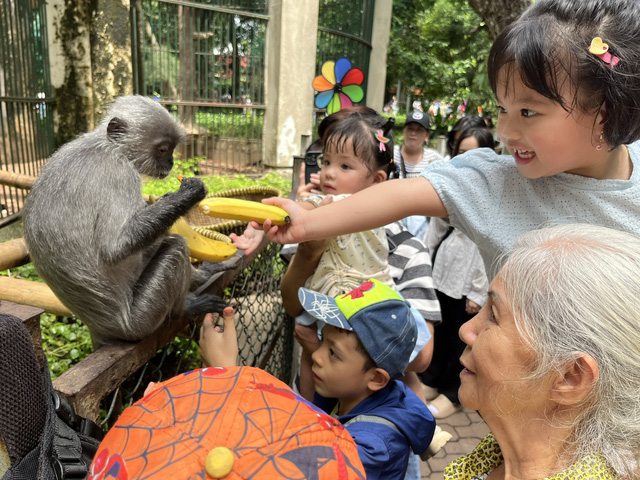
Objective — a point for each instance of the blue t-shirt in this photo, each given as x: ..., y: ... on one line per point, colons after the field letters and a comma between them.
x: 491, y: 203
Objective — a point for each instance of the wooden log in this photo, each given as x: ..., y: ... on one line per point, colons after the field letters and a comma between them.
x: 30, y: 316
x: 35, y: 294
x: 18, y: 180
x: 97, y: 375
x: 13, y: 253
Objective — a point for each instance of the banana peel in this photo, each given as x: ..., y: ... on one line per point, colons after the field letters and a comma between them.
x: 237, y: 209
x: 201, y: 247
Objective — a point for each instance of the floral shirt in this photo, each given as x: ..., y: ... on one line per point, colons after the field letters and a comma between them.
x: 487, y: 456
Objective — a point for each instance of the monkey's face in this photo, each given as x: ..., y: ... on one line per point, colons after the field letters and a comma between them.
x: 163, y: 154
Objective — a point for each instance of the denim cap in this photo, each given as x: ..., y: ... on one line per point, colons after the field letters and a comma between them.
x: 421, y: 118
x: 379, y: 316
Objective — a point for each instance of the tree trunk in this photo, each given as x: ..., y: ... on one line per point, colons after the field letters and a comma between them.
x: 497, y: 14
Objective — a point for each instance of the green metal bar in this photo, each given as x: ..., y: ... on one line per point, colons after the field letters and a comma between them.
x: 215, y: 8
x: 338, y: 33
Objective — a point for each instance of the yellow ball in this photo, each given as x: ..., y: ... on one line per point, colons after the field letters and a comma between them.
x: 219, y: 462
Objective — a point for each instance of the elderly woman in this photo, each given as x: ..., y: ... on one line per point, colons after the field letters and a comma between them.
x: 552, y: 361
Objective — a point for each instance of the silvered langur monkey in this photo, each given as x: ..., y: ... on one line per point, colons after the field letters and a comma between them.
x: 103, y: 251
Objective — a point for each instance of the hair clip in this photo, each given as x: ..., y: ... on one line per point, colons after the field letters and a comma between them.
x: 601, y: 49
x: 382, y: 139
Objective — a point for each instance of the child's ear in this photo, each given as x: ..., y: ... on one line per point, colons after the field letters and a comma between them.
x: 577, y: 381
x: 379, y: 176
x: 378, y: 380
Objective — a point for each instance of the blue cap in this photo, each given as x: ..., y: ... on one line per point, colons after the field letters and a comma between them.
x: 379, y: 316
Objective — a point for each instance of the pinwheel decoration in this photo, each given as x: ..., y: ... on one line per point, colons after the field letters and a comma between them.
x: 339, y: 86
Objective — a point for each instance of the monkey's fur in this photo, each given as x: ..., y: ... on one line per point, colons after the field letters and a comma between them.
x: 103, y: 251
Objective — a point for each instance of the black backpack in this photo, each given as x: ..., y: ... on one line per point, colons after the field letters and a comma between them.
x: 44, y: 438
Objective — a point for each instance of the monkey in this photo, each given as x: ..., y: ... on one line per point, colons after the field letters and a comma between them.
x: 100, y: 247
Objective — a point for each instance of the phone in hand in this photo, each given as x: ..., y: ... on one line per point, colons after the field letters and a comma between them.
x: 312, y: 164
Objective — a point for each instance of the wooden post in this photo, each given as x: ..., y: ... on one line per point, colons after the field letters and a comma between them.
x: 35, y: 294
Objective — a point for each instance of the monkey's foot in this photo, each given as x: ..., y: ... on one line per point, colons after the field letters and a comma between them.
x: 202, y: 304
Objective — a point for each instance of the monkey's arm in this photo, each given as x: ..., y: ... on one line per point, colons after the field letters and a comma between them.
x: 149, y: 223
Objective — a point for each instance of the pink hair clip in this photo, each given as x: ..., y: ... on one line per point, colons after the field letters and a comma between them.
x: 601, y: 49
x: 382, y: 139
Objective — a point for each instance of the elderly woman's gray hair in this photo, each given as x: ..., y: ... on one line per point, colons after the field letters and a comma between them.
x: 576, y: 288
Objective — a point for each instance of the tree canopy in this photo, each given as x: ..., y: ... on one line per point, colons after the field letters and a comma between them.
x: 438, y: 49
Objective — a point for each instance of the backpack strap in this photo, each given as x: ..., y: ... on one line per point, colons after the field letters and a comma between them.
x: 373, y: 419
x: 435, y: 250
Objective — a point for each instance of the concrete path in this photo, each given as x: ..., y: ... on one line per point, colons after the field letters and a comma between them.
x: 466, y: 429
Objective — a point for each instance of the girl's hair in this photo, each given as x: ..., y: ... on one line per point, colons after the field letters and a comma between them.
x: 361, y: 126
x: 548, y: 47
x: 573, y: 289
x: 483, y: 136
x: 464, y: 122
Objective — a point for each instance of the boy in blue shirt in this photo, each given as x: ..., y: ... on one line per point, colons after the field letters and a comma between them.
x: 368, y: 336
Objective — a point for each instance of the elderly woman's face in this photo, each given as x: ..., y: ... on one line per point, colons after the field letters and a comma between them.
x: 496, y: 361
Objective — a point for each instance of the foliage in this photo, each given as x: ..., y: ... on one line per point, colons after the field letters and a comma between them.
x: 438, y: 49
x: 189, y: 168
x: 232, y: 124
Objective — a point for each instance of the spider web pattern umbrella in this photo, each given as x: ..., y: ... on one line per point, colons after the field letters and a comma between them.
x: 339, y: 86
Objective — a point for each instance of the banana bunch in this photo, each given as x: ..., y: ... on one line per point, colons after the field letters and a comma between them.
x: 236, y: 209
x: 201, y: 247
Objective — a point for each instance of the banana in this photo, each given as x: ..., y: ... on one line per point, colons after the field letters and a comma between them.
x: 235, y: 209
x: 201, y: 247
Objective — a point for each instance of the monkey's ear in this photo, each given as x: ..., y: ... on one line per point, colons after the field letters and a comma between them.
x: 116, y: 129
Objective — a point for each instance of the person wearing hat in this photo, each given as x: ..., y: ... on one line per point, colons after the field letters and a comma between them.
x: 368, y: 336
x: 412, y: 157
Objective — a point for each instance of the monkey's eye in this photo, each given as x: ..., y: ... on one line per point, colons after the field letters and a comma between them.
x: 164, y: 148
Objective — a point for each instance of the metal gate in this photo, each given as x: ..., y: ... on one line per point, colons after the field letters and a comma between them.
x: 204, y: 59
x: 26, y: 114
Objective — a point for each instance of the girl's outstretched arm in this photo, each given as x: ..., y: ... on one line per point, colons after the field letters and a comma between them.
x: 372, y: 207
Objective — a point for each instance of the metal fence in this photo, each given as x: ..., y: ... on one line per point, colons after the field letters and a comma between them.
x: 26, y: 116
x: 205, y: 59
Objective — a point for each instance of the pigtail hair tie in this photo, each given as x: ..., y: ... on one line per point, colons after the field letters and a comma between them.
x: 386, y: 128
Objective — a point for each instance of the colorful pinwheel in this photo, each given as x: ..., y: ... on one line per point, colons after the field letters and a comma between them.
x: 339, y: 86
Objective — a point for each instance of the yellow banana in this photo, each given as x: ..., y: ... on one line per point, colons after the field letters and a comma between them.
x: 236, y: 209
x: 201, y: 247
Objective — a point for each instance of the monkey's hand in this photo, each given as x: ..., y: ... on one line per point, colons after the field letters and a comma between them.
x: 192, y: 190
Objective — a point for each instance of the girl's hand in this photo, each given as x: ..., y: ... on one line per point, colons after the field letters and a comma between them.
x: 293, y: 232
x: 312, y: 187
x: 249, y: 240
x: 219, y: 346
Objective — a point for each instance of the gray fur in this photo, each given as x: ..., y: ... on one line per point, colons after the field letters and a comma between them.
x: 103, y: 251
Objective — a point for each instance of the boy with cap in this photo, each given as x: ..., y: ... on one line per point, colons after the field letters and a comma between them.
x: 367, y: 340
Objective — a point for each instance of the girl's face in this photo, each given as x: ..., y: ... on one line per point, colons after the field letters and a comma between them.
x: 543, y: 138
x: 344, y: 173
x: 414, y: 135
